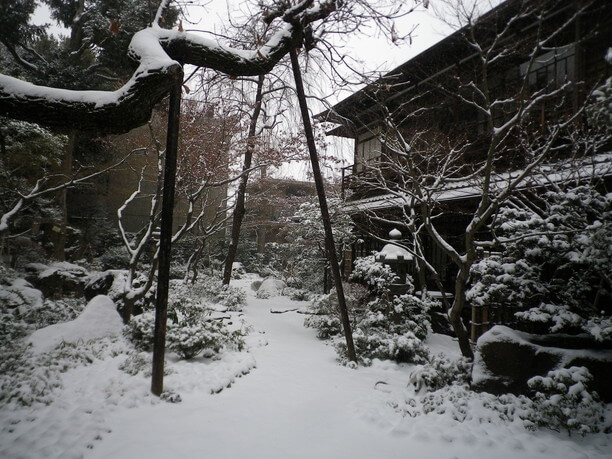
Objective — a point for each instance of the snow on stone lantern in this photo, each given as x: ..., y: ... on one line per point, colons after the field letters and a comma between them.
x: 398, y: 258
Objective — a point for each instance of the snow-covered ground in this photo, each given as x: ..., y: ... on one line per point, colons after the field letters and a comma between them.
x: 287, y: 397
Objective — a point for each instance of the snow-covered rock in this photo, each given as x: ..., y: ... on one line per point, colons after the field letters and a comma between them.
x: 110, y: 282
x: 271, y: 287
x: 506, y: 359
x: 58, y: 278
x: 20, y: 294
x: 99, y: 319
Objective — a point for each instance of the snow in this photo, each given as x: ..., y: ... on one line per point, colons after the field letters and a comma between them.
x: 287, y: 397
x: 99, y: 319
x: 271, y: 287
x: 394, y: 252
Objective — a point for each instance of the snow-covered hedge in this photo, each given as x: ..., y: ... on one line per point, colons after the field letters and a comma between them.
x: 193, y: 327
x: 210, y: 288
x: 440, y: 372
x: 554, y: 264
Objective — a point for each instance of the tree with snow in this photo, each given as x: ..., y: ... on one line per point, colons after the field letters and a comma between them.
x: 522, y: 118
x: 554, y: 262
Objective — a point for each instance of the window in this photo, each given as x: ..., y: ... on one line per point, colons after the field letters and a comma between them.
x: 552, y: 68
x: 368, y: 150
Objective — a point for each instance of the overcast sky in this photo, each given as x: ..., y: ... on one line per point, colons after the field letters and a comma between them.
x: 376, y: 53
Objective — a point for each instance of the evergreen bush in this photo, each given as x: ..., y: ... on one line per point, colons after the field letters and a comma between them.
x: 562, y: 401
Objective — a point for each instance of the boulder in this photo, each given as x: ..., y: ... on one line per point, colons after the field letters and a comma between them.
x: 58, y: 279
x: 271, y: 287
x: 506, y: 359
x: 99, y: 284
x: 99, y: 319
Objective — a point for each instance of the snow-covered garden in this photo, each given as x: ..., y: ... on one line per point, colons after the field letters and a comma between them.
x: 187, y: 301
x: 245, y: 377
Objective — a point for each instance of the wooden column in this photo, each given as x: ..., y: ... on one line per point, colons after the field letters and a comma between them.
x: 165, y: 239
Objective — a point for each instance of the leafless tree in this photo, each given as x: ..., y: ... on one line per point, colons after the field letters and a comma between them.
x: 482, y: 130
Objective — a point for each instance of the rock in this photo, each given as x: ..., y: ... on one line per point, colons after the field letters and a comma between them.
x: 506, y: 359
x: 255, y: 285
x: 57, y: 279
x: 99, y: 319
x: 271, y: 287
x: 99, y: 285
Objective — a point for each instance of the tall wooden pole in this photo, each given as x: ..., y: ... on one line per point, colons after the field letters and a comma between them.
x: 165, y: 239
x: 329, y: 236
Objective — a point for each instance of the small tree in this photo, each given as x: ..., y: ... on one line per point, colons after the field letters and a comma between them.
x: 301, y: 259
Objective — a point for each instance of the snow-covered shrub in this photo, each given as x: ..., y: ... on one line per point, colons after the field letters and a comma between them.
x: 439, y: 372
x: 557, y: 317
x: 389, y: 327
x: 300, y: 260
x: 452, y: 400
x: 499, y: 281
x: 325, y: 318
x: 562, y: 401
x: 383, y: 345
x: 191, y: 330
x: 297, y: 294
x: 27, y: 378
x: 114, y: 257
x: 392, y: 330
x: 54, y: 311
x: 553, y: 263
x: 238, y: 270
x: 137, y: 362
x: 375, y: 276
x: 384, y: 326
x: 209, y: 288
x: 24, y: 309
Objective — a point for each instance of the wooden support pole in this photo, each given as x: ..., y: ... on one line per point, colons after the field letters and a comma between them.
x: 329, y: 236
x: 165, y: 239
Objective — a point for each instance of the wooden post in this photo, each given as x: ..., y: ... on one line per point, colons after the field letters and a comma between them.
x: 329, y: 236
x: 165, y: 239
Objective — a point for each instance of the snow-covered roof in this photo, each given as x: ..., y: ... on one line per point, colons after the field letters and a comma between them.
x: 595, y: 166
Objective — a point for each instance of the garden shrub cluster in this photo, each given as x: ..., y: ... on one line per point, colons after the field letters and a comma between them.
x: 440, y: 372
x: 26, y: 378
x: 210, y: 288
x: 385, y: 326
x: 551, y: 271
x: 562, y: 401
x: 192, y: 328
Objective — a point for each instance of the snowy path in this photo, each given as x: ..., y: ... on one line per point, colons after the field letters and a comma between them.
x: 299, y: 403
x: 296, y: 402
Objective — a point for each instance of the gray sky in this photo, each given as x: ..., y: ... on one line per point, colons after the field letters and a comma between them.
x: 375, y: 52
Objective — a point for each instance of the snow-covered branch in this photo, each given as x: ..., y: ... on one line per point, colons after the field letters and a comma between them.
x: 161, y: 54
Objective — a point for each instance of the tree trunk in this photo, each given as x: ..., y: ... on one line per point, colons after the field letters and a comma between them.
x: 239, y: 209
x: 330, y: 246
x: 61, y: 230
x: 165, y: 239
x: 455, y: 313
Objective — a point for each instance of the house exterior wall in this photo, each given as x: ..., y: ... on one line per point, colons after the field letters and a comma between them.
x: 576, y: 55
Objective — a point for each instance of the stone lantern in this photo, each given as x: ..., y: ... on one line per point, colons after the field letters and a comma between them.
x: 398, y: 258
